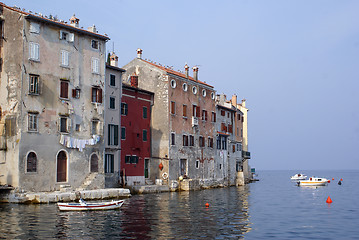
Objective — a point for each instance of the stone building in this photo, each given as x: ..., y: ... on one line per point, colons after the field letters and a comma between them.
x: 51, y: 83
x: 182, y: 126
x: 113, y: 93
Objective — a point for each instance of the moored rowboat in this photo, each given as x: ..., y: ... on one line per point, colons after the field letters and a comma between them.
x: 85, y: 206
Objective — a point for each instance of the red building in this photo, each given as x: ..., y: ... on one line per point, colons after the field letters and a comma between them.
x: 135, y: 133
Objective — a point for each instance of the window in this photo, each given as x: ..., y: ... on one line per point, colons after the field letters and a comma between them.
x: 94, y: 44
x: 173, y: 107
x: 185, y: 140
x: 112, y: 103
x: 210, y: 142
x: 185, y: 87
x: 70, y: 37
x: 32, y: 122
x: 144, y: 135
x: 184, y: 111
x: 64, y: 89
x: 34, y: 84
x: 239, y: 117
x: 64, y: 58
x: 183, y: 167
x: 77, y: 127
x: 204, y: 93
x: 96, y: 96
x: 76, y: 93
x: 196, y: 111
x: 31, y: 162
x: 194, y: 90
x: 134, y: 159
x: 212, y: 95
x: 144, y: 112
x: 95, y: 65
x: 109, y: 163
x: 191, y: 140
x: 173, y: 83
x: 213, y: 117
x: 123, y: 133
x: 219, y: 142
x: 230, y: 128
x: 95, y: 123
x: 201, y: 141
x: 224, y: 143
x: 34, y: 51
x: 127, y: 159
x: 204, y: 115
x: 34, y: 27
x: 124, y: 109
x: 112, y: 80
x: 173, y: 139
x: 197, y: 164
x: 94, y: 163
x: 223, y: 127
x: 223, y: 113
x: 64, y: 124
x: 112, y: 134
x: 233, y: 148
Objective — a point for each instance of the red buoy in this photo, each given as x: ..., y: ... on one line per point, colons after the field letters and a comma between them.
x: 207, y: 204
x: 328, y: 181
x: 329, y: 200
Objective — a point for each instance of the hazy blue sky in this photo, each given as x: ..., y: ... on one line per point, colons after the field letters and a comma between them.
x: 296, y: 63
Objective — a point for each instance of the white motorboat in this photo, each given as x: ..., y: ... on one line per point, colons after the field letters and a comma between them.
x: 85, y: 206
x: 298, y: 176
x: 313, y: 181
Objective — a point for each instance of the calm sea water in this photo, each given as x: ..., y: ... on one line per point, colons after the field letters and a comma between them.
x: 273, y: 208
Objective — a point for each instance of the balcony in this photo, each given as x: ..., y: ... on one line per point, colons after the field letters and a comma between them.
x: 194, y: 121
x: 246, y: 155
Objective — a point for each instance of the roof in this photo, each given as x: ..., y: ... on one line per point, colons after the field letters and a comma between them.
x: 54, y: 22
x: 115, y: 68
x: 229, y: 109
x: 179, y: 74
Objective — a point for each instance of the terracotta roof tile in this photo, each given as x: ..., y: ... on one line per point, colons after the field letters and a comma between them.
x: 168, y: 70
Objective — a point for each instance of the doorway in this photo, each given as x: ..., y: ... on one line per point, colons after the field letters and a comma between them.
x: 61, y: 167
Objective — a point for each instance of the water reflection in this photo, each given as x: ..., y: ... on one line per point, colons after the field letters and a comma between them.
x: 153, y: 216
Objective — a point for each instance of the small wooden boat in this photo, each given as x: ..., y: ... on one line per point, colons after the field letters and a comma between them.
x: 85, y: 206
x: 298, y: 176
x: 313, y: 181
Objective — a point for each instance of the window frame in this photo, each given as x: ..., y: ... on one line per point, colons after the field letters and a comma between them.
x: 34, y: 84
x: 112, y: 135
x: 144, y: 112
x: 112, y: 104
x: 33, y: 164
x: 123, y: 133
x: 95, y: 44
x: 109, y: 163
x: 65, y: 58
x: 95, y: 65
x: 173, y: 139
x: 112, y: 80
x: 64, y: 89
x: 96, y: 94
x: 144, y: 135
x: 124, y: 109
x: 173, y: 108
x: 34, y: 51
x: 32, y: 122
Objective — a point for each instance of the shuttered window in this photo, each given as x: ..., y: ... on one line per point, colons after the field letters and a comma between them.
x: 64, y: 89
x: 34, y: 51
x: 64, y: 58
x: 96, y: 95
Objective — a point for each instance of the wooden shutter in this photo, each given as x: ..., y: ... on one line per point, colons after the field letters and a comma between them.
x: 99, y: 91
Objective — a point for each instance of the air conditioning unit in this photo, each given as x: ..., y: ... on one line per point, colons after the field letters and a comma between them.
x: 194, y: 121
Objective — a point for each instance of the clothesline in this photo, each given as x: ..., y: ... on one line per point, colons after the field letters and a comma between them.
x: 80, y: 144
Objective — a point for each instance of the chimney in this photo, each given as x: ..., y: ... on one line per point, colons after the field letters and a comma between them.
x: 243, y: 102
x: 92, y: 29
x: 195, y: 73
x: 186, y: 69
x: 234, y: 100
x: 134, y: 81
x: 74, y: 21
x: 113, y: 60
x: 139, y: 53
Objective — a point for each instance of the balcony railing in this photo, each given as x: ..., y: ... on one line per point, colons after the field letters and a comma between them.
x: 246, y: 155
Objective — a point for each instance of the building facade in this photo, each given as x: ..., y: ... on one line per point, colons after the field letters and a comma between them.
x: 51, y: 89
x: 113, y: 93
x: 183, y: 123
x: 136, y: 108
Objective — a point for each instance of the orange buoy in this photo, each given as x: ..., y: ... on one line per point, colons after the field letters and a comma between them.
x: 329, y: 200
x: 333, y: 179
x: 207, y: 204
x: 341, y: 179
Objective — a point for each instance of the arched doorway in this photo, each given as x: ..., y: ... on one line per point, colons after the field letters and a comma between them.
x: 62, y: 166
x: 94, y: 163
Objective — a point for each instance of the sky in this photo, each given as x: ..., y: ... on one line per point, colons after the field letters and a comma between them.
x: 295, y: 62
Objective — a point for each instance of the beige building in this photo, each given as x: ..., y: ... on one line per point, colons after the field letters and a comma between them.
x: 51, y: 100
x: 182, y: 125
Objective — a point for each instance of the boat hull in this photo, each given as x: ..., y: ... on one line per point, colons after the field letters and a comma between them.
x: 90, y: 206
x: 313, y: 181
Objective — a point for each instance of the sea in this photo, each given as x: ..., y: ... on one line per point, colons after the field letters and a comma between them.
x: 272, y: 208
